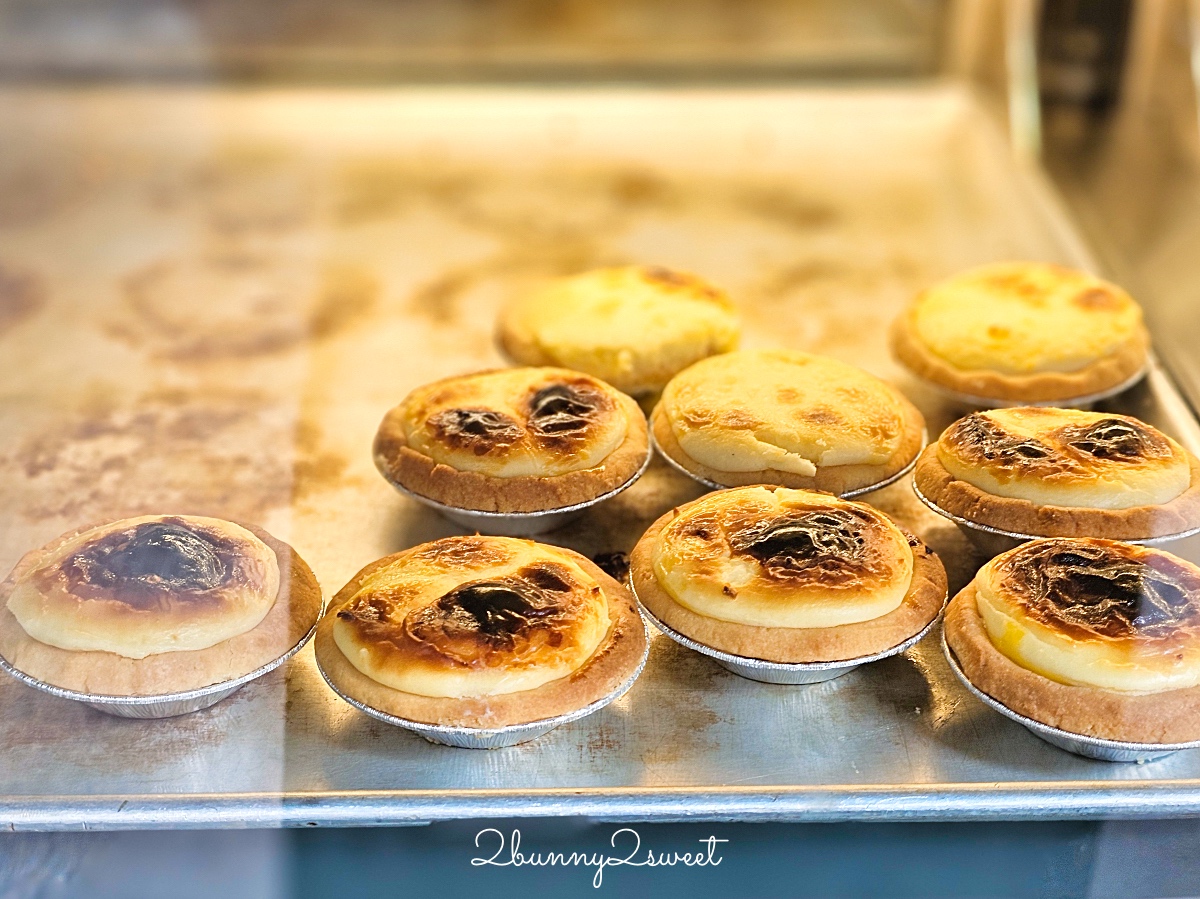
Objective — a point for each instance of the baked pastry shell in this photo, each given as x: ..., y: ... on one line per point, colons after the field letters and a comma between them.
x: 165, y: 684
x: 1100, y: 379
x: 521, y: 524
x: 790, y: 655
x: 845, y: 481
x: 786, y: 673
x: 520, y: 345
x: 510, y: 506
x: 1088, y: 747
x: 996, y: 524
x: 1101, y: 724
x: 491, y: 722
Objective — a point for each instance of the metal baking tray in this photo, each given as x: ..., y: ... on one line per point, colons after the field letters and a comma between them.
x: 209, y: 299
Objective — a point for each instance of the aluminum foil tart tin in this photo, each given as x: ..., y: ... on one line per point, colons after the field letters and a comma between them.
x: 792, y: 673
x: 713, y: 485
x: 1088, y: 747
x: 163, y: 705
x: 519, y: 524
x: 493, y: 737
x: 993, y: 541
x: 1076, y: 402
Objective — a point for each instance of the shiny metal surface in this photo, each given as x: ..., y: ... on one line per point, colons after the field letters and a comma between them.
x: 520, y: 524
x: 1079, y: 744
x: 129, y: 384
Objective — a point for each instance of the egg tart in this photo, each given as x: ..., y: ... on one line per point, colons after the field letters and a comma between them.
x: 1039, y: 471
x: 153, y: 605
x: 1091, y: 636
x: 784, y: 575
x: 517, y: 440
x: 1023, y: 332
x: 633, y: 326
x: 788, y: 418
x: 481, y: 632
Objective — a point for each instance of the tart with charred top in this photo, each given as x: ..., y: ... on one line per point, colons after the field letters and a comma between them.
x: 481, y: 632
x: 788, y: 418
x: 787, y: 576
x: 1094, y: 637
x: 1049, y: 472
x: 1023, y: 332
x: 155, y: 605
x: 513, y: 441
x: 634, y: 326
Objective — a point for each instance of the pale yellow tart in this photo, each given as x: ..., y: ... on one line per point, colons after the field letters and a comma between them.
x: 1021, y: 318
x: 513, y: 423
x: 782, y: 410
x: 1095, y: 613
x: 473, y: 616
x: 784, y: 558
x: 633, y: 326
x: 1065, y: 457
x: 148, y: 585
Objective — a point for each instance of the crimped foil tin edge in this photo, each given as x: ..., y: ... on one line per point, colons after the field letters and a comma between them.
x: 485, y: 738
x: 1057, y: 736
x: 96, y: 700
x: 515, y: 517
x: 784, y: 667
x: 1015, y: 535
x: 858, y: 491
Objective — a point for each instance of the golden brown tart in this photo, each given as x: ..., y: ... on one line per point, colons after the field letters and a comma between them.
x: 1092, y: 636
x: 633, y: 326
x: 787, y: 576
x: 1023, y: 332
x: 156, y: 604
x: 481, y: 632
x: 788, y: 418
x: 1062, y: 473
x: 513, y: 440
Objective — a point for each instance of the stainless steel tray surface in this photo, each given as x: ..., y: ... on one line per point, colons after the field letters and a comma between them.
x: 209, y: 299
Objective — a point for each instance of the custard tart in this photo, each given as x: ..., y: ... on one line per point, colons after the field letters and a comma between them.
x: 633, y: 326
x: 788, y: 418
x: 1046, y: 472
x: 520, y: 440
x: 1023, y: 332
x: 1093, y: 637
x: 784, y: 575
x: 154, y: 605
x: 481, y: 633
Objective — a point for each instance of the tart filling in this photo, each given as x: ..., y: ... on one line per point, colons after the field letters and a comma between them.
x: 1065, y: 457
x: 632, y: 326
x: 155, y: 605
x: 516, y: 423
x: 148, y: 585
x: 1023, y: 332
x: 782, y: 575
x: 473, y: 616
x: 1020, y: 318
x: 513, y: 441
x: 1095, y: 613
x: 787, y: 412
x: 784, y: 558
